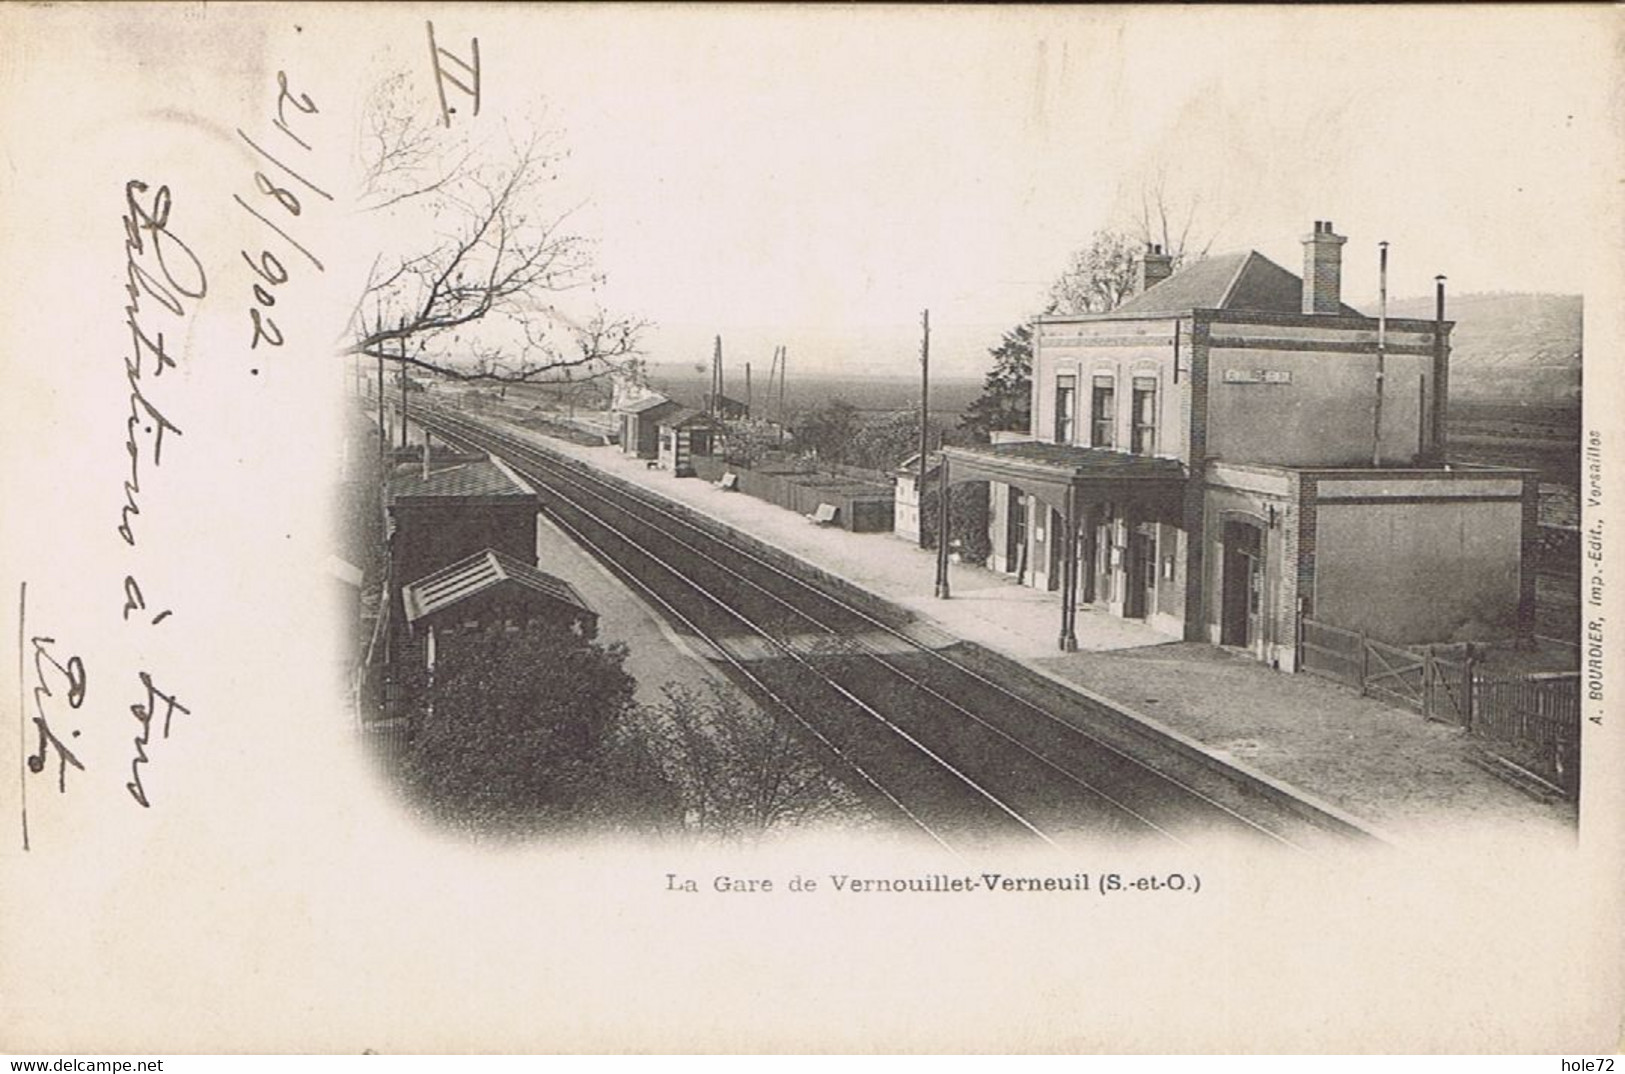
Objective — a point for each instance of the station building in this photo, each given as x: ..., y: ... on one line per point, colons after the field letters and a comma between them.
x: 1219, y: 457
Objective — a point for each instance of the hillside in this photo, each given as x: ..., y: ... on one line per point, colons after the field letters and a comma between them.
x: 1509, y: 347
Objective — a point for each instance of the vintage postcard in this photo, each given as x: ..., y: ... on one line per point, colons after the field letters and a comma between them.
x: 689, y: 528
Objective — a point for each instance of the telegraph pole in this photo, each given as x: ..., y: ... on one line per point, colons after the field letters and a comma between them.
x: 1441, y: 375
x: 383, y: 420
x: 716, y: 379
x: 1382, y: 350
x: 402, y: 374
x: 383, y: 428
x: 925, y: 423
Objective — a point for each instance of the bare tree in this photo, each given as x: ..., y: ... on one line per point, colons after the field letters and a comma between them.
x: 486, y: 281
x: 1168, y: 220
x: 1100, y: 276
x: 739, y: 771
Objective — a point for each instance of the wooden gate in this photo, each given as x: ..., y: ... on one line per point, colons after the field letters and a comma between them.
x: 1395, y: 675
x: 1534, y: 719
x: 1449, y: 691
x: 1398, y: 676
x: 1331, y: 651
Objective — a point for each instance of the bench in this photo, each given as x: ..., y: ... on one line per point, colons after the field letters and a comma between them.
x: 826, y: 515
x: 729, y: 482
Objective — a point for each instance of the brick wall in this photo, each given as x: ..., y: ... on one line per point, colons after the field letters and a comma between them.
x: 1194, y: 412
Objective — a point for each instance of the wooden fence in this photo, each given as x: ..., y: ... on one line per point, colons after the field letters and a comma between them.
x: 862, y: 507
x: 1536, y: 717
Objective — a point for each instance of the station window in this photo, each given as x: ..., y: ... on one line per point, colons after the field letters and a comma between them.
x: 1145, y: 416
x: 1066, y: 390
x: 1103, y: 413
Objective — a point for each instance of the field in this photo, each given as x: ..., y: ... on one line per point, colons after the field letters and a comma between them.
x: 803, y: 392
x: 1544, y: 438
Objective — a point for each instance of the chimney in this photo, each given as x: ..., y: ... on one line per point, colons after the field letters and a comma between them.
x: 1151, y: 268
x: 1323, y: 269
x: 1441, y: 374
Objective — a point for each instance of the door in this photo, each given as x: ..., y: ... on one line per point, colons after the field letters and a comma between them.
x: 1142, y: 575
x: 1243, y: 582
x: 1015, y: 536
x: 1057, y: 534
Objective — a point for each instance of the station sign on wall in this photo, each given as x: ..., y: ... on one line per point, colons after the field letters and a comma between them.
x: 1258, y: 376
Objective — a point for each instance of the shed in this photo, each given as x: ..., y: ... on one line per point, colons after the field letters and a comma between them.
x: 640, y: 425
x: 685, y: 433
x: 906, y: 494
x: 491, y: 591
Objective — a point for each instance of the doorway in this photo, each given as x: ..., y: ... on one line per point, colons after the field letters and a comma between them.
x: 1015, y: 534
x: 1243, y: 581
x: 1141, y: 574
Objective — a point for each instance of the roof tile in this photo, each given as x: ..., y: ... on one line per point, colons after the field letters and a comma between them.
x: 1239, y: 281
x: 465, y: 481
x: 476, y: 574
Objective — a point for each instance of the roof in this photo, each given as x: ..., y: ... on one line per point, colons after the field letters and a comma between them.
x: 342, y: 570
x: 649, y: 402
x: 486, y: 479
x: 1067, y: 459
x: 1238, y: 281
x: 910, y: 467
x: 478, y: 573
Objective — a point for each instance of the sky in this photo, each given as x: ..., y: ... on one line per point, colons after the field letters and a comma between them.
x: 804, y: 176
x: 817, y: 177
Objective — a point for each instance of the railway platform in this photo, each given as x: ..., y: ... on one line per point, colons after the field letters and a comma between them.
x: 1389, y: 770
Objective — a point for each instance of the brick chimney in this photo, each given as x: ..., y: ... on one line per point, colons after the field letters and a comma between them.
x: 1323, y: 269
x: 1151, y: 268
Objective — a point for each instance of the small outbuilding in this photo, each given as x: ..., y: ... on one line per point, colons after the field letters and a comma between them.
x: 491, y: 592
x: 685, y: 433
x: 640, y: 425
x: 906, y: 494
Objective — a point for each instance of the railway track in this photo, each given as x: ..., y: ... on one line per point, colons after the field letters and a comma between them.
x: 920, y: 734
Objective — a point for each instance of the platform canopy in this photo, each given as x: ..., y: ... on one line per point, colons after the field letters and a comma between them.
x: 1071, y: 480
x: 1052, y: 471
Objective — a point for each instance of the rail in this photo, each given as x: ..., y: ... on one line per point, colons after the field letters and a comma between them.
x: 576, y: 477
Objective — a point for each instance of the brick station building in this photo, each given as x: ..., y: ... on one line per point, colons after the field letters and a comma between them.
x: 1210, y: 458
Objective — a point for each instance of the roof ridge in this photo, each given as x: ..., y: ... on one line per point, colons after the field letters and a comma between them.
x: 511, y: 474
x: 508, y: 563
x: 434, y: 590
x: 1235, y: 279
x: 449, y: 568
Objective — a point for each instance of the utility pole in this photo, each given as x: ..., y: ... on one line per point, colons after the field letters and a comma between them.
x: 784, y: 365
x: 1441, y: 376
x: 402, y: 374
x: 383, y: 428
x: 925, y: 424
x: 716, y: 379
x: 1382, y: 351
x: 747, y: 391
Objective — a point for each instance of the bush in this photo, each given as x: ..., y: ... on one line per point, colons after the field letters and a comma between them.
x: 520, y: 733
x: 738, y: 771
x: 968, y: 520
